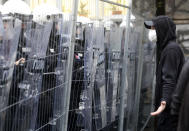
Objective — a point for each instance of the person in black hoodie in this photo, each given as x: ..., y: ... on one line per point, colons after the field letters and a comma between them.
x: 179, y: 104
x: 170, y: 60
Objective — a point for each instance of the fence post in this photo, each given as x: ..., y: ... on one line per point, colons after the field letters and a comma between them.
x: 28, y: 2
x: 97, y: 9
x: 138, y: 83
x: 70, y: 64
x: 59, y: 4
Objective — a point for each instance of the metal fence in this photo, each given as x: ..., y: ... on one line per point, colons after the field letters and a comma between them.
x: 35, y: 59
x: 58, y: 74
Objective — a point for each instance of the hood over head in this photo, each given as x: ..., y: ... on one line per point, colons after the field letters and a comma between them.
x: 165, y: 30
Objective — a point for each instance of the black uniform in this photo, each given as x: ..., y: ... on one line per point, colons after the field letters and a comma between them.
x: 170, y: 60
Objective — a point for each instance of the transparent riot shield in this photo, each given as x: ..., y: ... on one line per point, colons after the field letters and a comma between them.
x: 114, y: 73
x: 59, y: 101
x: 132, y: 65
x: 74, y: 122
x: 58, y: 113
x: 10, y: 31
x: 58, y: 107
x: 18, y: 73
x: 90, y: 63
x: 30, y: 88
x: 146, y: 94
x: 49, y: 87
x: 140, y: 74
x: 54, y: 78
x: 99, y: 93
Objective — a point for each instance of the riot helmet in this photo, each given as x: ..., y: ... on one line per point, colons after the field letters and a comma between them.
x: 16, y: 6
x: 22, y: 12
x: 44, y: 12
x: 48, y: 13
x: 1, y: 8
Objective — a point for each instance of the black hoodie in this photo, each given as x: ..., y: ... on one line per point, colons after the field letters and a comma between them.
x: 179, y: 105
x: 170, y: 60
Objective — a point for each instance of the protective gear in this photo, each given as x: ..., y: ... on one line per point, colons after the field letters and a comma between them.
x: 43, y: 12
x: 123, y: 24
x: 16, y: 6
x: 20, y: 10
x: 1, y: 8
x: 108, y: 24
x: 152, y: 36
x: 26, y: 113
x: 54, y: 69
x: 83, y: 20
x: 10, y: 31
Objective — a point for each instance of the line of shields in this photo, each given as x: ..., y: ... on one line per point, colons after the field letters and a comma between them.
x: 102, y: 61
x: 33, y: 64
x: 32, y: 72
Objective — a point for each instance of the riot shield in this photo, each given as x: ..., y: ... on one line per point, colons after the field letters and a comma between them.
x: 77, y: 87
x: 132, y: 74
x: 30, y: 88
x: 18, y: 73
x: 99, y: 93
x: 54, y: 77
x: 45, y: 108
x: 59, y: 110
x: 147, y: 89
x: 114, y: 73
x: 90, y: 63
x: 10, y: 31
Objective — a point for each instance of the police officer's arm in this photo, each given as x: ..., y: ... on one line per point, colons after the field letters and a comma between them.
x: 169, y: 79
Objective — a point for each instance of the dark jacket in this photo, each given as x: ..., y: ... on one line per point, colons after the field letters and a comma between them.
x: 179, y: 105
x: 170, y: 60
x: 179, y: 92
x: 184, y: 114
